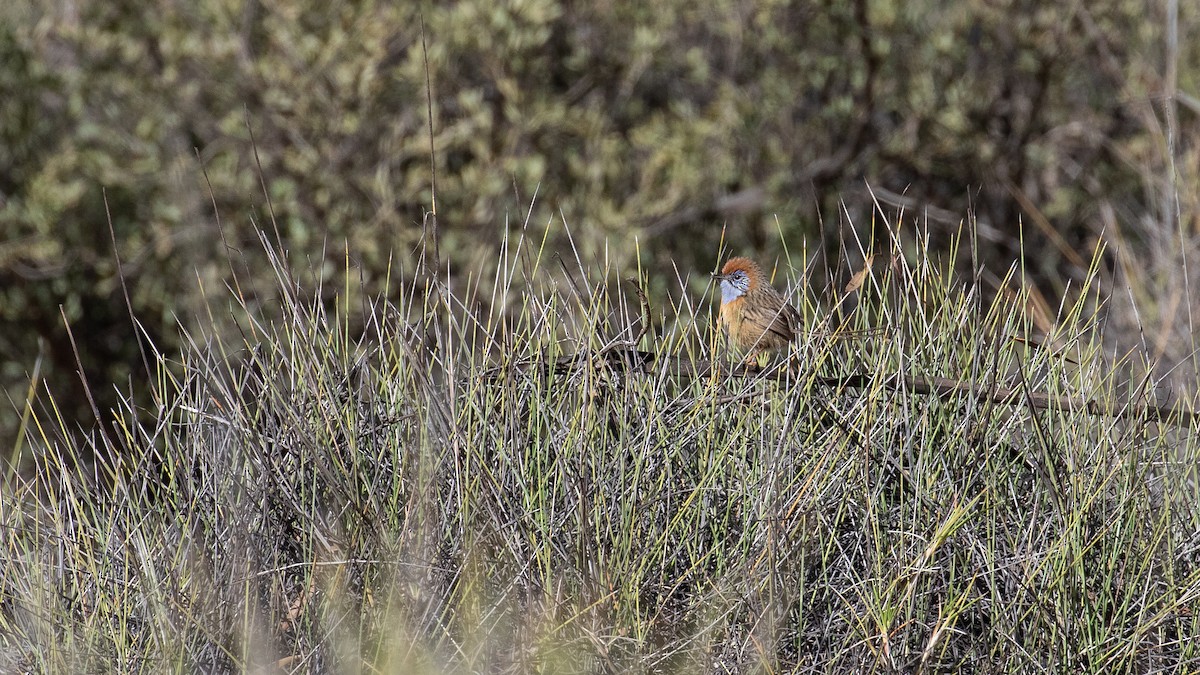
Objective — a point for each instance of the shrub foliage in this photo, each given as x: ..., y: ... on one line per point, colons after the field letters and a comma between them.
x: 664, y: 123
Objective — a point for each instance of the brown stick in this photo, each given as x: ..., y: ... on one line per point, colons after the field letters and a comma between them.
x: 944, y: 388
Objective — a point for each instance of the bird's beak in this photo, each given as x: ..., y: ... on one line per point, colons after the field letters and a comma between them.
x: 719, y: 277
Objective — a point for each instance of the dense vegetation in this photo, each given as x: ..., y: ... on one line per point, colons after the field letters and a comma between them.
x: 437, y: 498
x: 320, y: 430
x: 675, y: 124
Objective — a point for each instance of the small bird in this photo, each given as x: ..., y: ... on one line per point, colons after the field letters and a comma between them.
x: 755, y: 316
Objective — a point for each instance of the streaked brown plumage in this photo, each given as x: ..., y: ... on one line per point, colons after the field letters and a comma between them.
x: 756, y: 317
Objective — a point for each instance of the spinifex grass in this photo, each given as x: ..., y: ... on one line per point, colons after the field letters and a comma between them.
x: 453, y: 493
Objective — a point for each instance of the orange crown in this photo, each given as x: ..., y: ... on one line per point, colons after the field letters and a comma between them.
x: 753, y: 272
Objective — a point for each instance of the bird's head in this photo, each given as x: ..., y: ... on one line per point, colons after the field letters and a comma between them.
x: 738, y: 277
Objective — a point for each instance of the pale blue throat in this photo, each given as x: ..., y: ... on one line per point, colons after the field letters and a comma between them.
x: 729, y: 291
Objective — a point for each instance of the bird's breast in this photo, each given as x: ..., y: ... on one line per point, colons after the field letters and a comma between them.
x: 732, y: 312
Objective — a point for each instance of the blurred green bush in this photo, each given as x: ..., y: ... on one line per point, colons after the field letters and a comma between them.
x: 664, y: 122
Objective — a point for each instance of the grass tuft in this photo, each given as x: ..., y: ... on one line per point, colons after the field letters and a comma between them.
x: 461, y: 489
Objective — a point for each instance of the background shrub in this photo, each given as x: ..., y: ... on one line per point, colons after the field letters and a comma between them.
x: 680, y: 126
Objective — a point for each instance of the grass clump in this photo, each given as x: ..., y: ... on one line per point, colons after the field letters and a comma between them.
x: 545, y: 487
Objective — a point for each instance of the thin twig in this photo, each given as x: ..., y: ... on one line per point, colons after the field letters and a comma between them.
x: 644, y: 303
x: 643, y: 362
x: 430, y: 219
x: 133, y: 322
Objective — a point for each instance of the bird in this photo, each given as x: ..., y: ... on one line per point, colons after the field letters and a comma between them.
x: 755, y: 316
